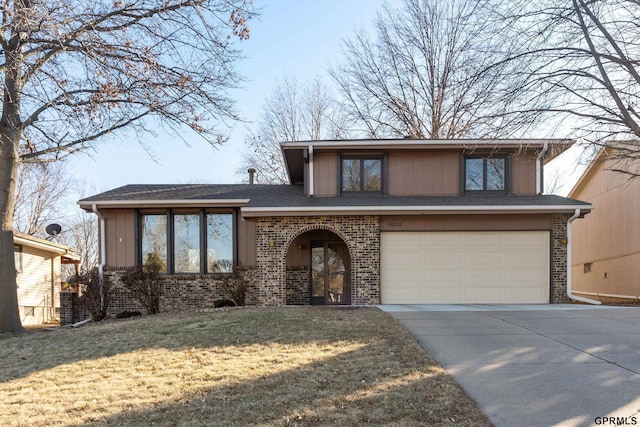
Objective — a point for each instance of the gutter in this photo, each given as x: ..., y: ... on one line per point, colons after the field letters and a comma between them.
x: 103, y: 253
x: 569, y: 290
x: 405, y: 210
x: 91, y: 204
x: 311, y: 170
x: 539, y: 175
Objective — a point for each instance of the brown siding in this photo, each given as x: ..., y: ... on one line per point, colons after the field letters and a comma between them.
x: 423, y: 173
x: 609, y: 237
x: 120, y: 237
x: 523, y: 173
x: 246, y: 242
x: 325, y: 174
x: 528, y: 222
x: 616, y: 276
x: 120, y: 242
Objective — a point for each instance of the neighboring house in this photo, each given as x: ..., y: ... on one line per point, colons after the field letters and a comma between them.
x: 362, y: 222
x: 39, y: 277
x: 606, y: 250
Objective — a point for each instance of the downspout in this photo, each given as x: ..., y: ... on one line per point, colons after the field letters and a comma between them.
x: 569, y: 291
x: 310, y: 170
x: 103, y: 253
x: 539, y: 176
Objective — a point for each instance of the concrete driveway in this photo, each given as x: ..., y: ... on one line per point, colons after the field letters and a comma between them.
x: 537, y: 365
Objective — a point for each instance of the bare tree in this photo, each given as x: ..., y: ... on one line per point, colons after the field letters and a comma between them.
x: 293, y: 112
x: 587, y: 68
x: 77, y: 72
x: 42, y: 189
x: 81, y: 233
x: 427, y: 74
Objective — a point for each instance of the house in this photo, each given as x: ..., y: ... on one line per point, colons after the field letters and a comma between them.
x: 394, y: 221
x: 39, y: 277
x: 606, y: 250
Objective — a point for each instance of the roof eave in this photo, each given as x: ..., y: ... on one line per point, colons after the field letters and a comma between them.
x: 187, y: 203
x: 249, y: 212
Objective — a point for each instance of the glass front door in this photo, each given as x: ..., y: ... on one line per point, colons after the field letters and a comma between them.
x: 329, y: 273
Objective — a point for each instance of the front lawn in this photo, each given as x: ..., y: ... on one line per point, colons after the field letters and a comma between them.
x: 247, y: 366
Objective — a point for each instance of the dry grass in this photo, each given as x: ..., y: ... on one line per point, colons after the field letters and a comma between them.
x: 255, y: 366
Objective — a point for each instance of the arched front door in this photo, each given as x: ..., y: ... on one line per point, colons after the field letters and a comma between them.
x: 330, y: 281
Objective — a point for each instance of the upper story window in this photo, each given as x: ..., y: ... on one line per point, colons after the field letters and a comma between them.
x: 361, y: 174
x: 196, y: 242
x: 485, y: 174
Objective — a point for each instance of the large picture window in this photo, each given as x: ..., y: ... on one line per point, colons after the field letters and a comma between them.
x: 219, y: 243
x: 154, y: 239
x: 198, y: 242
x: 186, y: 243
x: 361, y: 174
x: 485, y: 174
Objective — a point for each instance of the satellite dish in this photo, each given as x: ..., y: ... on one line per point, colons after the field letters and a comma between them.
x: 53, y: 229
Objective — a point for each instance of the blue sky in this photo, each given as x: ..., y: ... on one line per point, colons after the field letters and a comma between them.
x: 299, y: 38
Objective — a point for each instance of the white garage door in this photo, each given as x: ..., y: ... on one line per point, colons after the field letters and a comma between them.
x: 465, y: 267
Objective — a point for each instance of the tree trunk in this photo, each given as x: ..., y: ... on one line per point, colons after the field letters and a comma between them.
x: 9, y: 313
x: 10, y: 133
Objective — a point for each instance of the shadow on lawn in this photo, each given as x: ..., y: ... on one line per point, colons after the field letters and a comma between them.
x: 311, y: 395
x: 25, y: 354
x: 387, y: 380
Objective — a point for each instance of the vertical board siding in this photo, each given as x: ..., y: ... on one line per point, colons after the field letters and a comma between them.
x: 609, y: 237
x: 523, y: 173
x: 325, y: 174
x: 120, y: 236
x: 423, y: 174
x: 246, y: 242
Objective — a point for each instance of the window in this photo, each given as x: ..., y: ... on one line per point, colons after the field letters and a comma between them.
x: 154, y: 239
x: 361, y: 175
x: 186, y: 246
x: 17, y: 257
x: 198, y: 242
x: 485, y: 174
x: 219, y: 243
x: 587, y: 267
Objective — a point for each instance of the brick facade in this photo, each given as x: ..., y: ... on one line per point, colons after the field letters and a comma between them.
x: 559, y: 259
x: 361, y: 234
x: 271, y: 282
x: 298, y: 286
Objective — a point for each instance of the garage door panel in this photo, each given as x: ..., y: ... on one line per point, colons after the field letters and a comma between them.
x: 523, y: 258
x: 483, y: 240
x: 479, y: 257
x: 440, y: 275
x: 465, y: 267
x: 524, y: 276
x: 404, y: 257
x: 526, y: 295
x: 441, y: 240
x: 483, y: 295
x: 409, y: 275
x: 481, y: 277
x: 524, y: 239
x: 444, y: 257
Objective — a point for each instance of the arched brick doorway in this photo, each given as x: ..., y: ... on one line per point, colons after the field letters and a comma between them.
x: 318, y: 267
